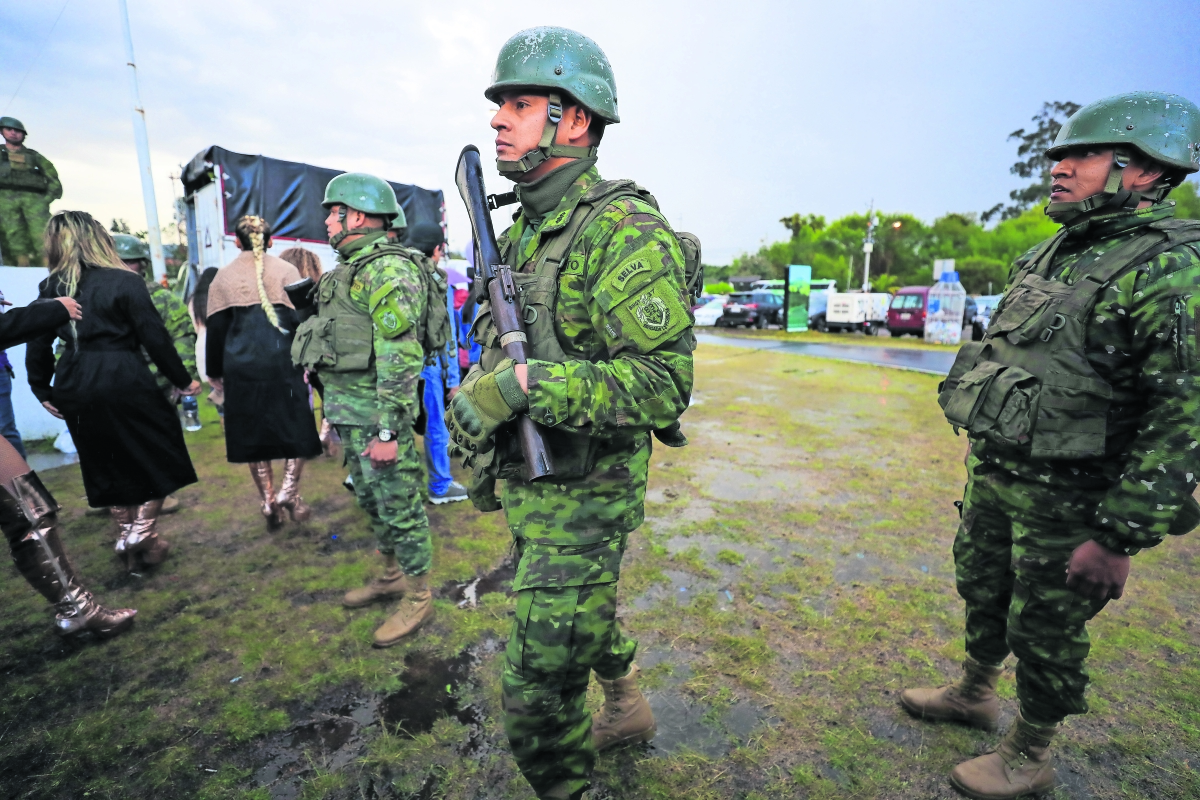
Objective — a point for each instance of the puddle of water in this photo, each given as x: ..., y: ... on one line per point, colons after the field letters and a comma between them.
x: 468, y: 594
x: 681, y: 586
x: 428, y: 693
x: 41, y: 462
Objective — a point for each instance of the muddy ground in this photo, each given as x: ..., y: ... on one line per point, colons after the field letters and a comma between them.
x: 792, y: 576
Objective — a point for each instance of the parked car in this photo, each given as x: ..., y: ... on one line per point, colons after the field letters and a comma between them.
x: 907, y: 313
x: 818, y: 303
x: 757, y: 309
x: 708, y: 314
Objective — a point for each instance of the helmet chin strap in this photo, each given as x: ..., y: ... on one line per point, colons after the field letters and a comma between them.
x: 546, y: 148
x: 346, y: 230
x: 1112, y: 197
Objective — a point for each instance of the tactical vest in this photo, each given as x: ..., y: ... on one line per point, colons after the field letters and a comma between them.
x: 574, y: 454
x: 1029, y: 386
x: 22, y: 171
x: 340, y: 338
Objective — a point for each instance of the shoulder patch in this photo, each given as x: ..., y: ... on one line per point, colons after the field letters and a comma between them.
x: 626, y: 272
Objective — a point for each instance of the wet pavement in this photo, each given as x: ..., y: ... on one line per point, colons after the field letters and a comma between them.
x: 930, y: 361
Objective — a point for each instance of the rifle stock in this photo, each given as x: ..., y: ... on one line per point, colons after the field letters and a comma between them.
x: 494, y: 278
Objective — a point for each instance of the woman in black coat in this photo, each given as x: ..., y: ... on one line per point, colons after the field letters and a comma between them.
x: 251, y: 323
x: 130, y: 442
x: 29, y: 514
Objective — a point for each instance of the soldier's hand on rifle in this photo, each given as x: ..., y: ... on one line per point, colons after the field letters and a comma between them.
x: 73, y: 307
x: 1097, y: 572
x: 485, y: 401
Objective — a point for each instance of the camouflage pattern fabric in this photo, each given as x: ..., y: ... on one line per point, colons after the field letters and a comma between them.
x: 385, y: 395
x: 175, y: 316
x: 23, y: 220
x: 1142, y: 341
x: 392, y: 497
x: 558, y: 637
x: 1022, y: 518
x: 624, y: 374
x: 1010, y: 562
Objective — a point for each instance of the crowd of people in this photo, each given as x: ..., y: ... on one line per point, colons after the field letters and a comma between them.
x: 1081, y: 423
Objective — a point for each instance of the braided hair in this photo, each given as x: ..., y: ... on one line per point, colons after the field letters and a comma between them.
x: 254, y: 233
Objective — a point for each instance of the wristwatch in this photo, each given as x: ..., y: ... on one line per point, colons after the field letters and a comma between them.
x: 385, y: 435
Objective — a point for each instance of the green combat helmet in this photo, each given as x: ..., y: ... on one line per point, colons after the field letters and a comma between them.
x: 562, y: 62
x: 364, y: 193
x: 1163, y: 127
x: 14, y: 123
x: 131, y: 248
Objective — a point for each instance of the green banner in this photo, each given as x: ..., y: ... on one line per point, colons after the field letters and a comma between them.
x: 795, y: 298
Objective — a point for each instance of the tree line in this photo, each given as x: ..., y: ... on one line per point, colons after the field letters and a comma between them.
x: 905, y: 247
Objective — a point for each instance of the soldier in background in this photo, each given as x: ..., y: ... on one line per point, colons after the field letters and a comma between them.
x: 28, y: 185
x: 1083, y: 414
x: 365, y: 344
x: 602, y: 276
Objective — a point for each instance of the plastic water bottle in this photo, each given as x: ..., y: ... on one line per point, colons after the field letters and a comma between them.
x: 944, y: 313
x: 191, y: 414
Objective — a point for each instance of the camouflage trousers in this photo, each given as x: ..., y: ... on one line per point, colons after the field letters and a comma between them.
x: 23, y: 219
x: 393, y: 497
x: 1010, y: 562
x: 559, y: 636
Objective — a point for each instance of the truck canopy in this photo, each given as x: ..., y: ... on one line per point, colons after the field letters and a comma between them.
x: 287, y: 193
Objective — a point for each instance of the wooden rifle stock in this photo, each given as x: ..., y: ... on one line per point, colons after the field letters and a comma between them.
x: 495, y: 279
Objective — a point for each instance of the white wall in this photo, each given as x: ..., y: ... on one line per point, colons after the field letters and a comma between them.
x: 20, y: 287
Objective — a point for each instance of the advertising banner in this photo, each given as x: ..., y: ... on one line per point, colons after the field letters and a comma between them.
x: 795, y: 297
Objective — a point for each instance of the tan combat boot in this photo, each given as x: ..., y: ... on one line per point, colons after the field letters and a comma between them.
x: 415, y: 610
x: 1018, y: 767
x: 394, y: 583
x: 972, y: 699
x: 626, y: 716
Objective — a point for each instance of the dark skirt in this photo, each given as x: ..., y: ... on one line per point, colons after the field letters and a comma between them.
x: 130, y: 441
x: 267, y: 412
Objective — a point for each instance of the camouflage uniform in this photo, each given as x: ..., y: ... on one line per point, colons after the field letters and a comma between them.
x: 622, y: 376
x: 1023, y: 517
x: 179, y: 324
x: 383, y: 396
x: 24, y: 213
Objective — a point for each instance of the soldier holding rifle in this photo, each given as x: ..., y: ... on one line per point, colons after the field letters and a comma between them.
x: 597, y: 276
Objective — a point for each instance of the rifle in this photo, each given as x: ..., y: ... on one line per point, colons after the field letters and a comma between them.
x: 493, y: 281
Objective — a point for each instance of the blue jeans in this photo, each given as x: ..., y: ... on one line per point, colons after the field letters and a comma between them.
x: 8, y: 422
x: 437, y: 438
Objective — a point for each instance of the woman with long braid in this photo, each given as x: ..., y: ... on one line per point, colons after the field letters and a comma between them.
x: 130, y: 442
x: 251, y: 323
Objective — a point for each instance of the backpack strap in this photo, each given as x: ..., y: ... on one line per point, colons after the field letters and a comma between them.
x: 598, y: 197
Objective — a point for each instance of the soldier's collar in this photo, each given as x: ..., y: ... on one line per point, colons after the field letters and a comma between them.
x: 1102, y: 226
x: 561, y: 214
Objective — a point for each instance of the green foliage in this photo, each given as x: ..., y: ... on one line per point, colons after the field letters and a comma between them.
x: 1033, y: 164
x: 718, y: 288
x: 982, y: 275
x: 904, y: 253
x: 1187, y: 200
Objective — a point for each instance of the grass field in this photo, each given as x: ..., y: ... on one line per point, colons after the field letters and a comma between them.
x: 793, y: 575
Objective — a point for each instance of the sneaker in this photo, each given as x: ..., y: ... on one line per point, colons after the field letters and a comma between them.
x: 454, y: 493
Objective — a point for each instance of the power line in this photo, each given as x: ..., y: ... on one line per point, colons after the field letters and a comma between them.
x: 37, y: 55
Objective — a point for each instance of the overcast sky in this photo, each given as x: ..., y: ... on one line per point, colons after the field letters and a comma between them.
x: 733, y: 114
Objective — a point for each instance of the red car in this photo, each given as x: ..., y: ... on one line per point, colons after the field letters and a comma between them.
x: 906, y: 314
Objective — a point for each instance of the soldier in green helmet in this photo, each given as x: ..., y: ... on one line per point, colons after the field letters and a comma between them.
x: 366, y: 344
x: 602, y: 275
x: 1083, y: 417
x: 28, y: 185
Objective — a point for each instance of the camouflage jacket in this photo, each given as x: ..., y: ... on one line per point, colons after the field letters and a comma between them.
x: 385, y: 394
x: 54, y: 190
x: 175, y: 316
x: 1142, y: 341
x: 623, y: 376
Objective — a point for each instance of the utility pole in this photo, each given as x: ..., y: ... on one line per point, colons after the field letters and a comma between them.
x: 868, y: 244
x: 143, y: 151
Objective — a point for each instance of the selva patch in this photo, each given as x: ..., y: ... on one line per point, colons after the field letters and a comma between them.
x: 626, y: 272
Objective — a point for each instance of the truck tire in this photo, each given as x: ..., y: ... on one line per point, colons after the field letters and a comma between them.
x: 820, y: 324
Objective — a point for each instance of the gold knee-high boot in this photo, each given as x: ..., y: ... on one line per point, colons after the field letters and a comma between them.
x: 264, y: 479
x: 139, y: 543
x: 289, y: 494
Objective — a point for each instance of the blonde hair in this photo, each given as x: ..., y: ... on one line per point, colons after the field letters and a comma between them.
x: 256, y: 232
x: 306, y: 262
x: 76, y: 241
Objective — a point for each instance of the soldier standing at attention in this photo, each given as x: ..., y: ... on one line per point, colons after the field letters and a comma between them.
x: 28, y: 185
x: 1081, y: 406
x: 601, y: 274
x: 366, y: 344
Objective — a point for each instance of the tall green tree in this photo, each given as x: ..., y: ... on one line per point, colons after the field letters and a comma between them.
x: 1032, y: 163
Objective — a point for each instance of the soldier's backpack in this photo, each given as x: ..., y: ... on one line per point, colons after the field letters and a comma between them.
x: 434, y: 327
